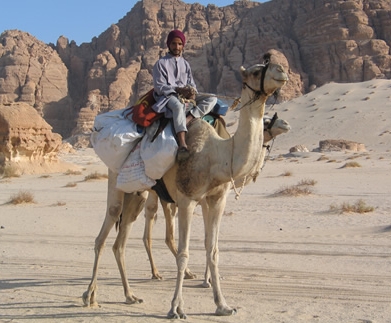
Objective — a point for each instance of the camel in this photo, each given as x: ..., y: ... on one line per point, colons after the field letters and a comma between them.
x: 273, y: 127
x: 205, y: 178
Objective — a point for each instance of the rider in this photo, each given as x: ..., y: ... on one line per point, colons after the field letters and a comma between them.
x: 172, y: 77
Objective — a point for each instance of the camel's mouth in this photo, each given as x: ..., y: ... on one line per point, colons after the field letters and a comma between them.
x: 283, y: 80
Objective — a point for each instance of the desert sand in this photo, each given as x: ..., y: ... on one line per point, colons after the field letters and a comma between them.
x: 282, y: 258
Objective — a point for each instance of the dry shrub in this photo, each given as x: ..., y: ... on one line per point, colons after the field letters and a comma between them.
x: 22, y: 197
x: 293, y: 191
x: 71, y: 184
x: 9, y: 171
x: 286, y: 173
x: 306, y: 182
x: 301, y: 188
x: 45, y: 176
x: 72, y: 172
x: 351, y: 164
x: 323, y: 157
x: 358, y: 207
x: 59, y: 203
x: 94, y: 176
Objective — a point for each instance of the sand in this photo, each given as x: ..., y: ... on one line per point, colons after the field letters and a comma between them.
x: 282, y: 258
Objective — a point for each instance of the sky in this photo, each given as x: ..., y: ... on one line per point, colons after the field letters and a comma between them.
x: 78, y: 20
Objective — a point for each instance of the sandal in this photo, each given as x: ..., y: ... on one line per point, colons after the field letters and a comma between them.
x: 182, y: 154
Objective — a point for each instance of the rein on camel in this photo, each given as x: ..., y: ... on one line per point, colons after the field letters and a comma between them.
x: 257, y: 95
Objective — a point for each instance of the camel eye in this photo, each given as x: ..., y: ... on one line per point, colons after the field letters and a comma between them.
x: 257, y: 72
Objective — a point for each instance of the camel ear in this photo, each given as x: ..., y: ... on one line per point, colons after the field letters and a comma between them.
x: 243, y: 71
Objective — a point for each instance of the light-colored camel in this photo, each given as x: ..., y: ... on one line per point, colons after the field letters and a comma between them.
x: 204, y: 177
x: 273, y: 127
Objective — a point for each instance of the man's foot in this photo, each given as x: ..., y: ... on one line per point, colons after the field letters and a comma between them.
x: 183, y: 153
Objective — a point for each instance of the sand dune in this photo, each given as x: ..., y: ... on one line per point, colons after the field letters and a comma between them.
x: 282, y: 258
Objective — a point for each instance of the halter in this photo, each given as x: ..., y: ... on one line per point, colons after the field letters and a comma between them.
x: 271, y: 124
x: 258, y: 93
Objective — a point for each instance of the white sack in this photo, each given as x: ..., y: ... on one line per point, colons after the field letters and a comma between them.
x: 159, y: 155
x: 113, y: 138
x: 131, y: 177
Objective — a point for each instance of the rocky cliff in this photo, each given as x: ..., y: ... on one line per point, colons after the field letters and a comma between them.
x: 320, y: 40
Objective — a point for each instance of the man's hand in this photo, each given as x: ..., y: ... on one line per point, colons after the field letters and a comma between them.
x: 186, y: 92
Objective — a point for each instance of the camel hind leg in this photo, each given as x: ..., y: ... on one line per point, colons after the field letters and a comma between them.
x: 169, y: 210
x: 133, y: 205
x: 151, y: 207
x: 113, y: 210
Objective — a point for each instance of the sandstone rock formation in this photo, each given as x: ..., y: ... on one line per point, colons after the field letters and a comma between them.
x: 340, y: 145
x: 321, y: 41
x: 299, y: 149
x: 26, y: 139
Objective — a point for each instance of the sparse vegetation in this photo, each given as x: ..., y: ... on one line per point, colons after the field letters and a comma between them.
x: 301, y: 188
x: 72, y: 172
x: 22, y: 197
x: 8, y: 171
x: 71, y: 184
x: 351, y: 164
x: 45, y: 176
x: 307, y: 182
x: 293, y: 190
x: 358, y: 207
x: 59, y: 203
x: 323, y: 157
x: 286, y: 173
x: 94, y: 176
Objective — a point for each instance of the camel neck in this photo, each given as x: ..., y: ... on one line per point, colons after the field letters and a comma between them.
x: 248, y: 139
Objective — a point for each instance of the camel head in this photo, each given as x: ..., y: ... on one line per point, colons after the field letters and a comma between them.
x: 264, y: 78
x: 273, y: 127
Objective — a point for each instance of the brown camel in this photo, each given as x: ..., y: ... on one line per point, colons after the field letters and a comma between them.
x: 204, y: 177
x: 273, y: 127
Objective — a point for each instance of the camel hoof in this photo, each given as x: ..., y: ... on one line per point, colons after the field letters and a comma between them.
x: 134, y: 300
x: 86, y: 299
x: 88, y: 302
x: 176, y: 316
x: 190, y: 275
x: 157, y: 277
x: 206, y: 284
x: 225, y: 311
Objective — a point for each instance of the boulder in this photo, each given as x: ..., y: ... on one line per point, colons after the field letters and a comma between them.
x: 26, y: 139
x: 340, y: 145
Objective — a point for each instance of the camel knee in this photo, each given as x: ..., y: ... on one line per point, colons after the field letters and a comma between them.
x: 114, y: 211
x: 182, y: 260
x: 151, y: 208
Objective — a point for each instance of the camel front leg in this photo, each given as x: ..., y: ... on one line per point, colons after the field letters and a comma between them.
x: 113, y: 210
x: 185, y: 212
x: 169, y: 210
x: 133, y: 205
x: 215, y: 208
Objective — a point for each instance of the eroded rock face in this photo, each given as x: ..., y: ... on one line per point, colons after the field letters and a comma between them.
x: 25, y: 137
x: 318, y: 42
x: 299, y: 148
x: 33, y: 72
x: 340, y: 145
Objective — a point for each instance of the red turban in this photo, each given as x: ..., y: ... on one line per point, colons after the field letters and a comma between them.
x: 173, y: 34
